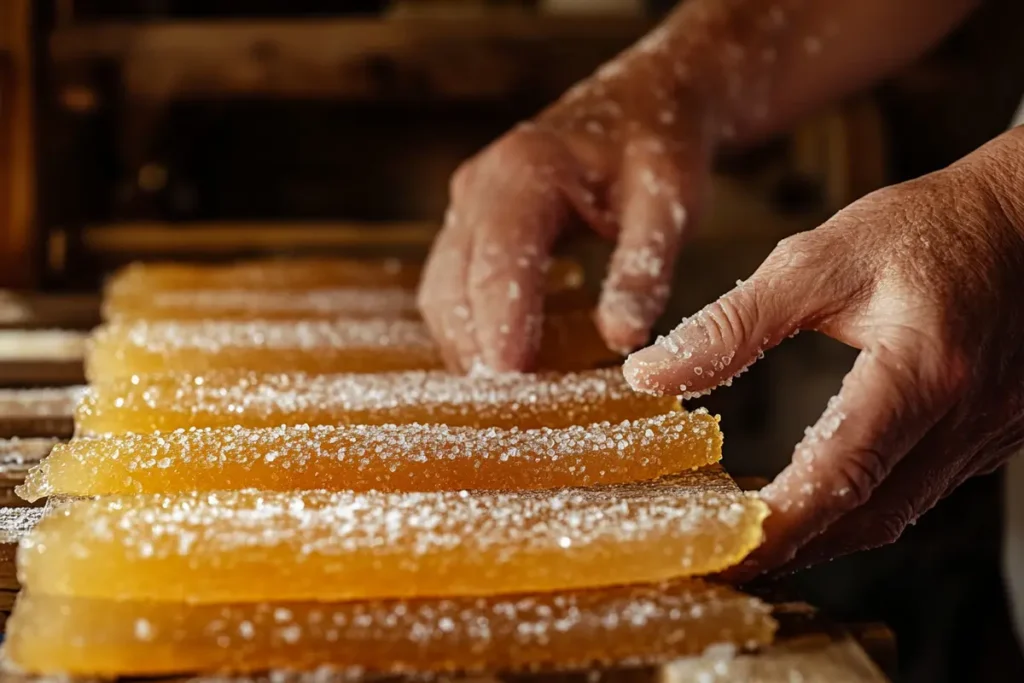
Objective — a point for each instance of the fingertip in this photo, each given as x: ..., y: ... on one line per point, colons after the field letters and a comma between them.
x: 624, y: 319
x: 645, y: 370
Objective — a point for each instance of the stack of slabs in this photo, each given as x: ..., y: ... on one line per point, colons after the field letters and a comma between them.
x: 272, y: 471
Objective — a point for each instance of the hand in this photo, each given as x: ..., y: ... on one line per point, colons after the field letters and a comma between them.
x: 926, y: 279
x: 622, y: 153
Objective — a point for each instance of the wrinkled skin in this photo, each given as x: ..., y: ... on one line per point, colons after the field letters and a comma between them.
x: 630, y: 160
x: 925, y: 279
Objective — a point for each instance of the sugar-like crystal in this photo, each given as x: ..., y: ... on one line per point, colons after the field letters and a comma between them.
x: 602, y: 627
x: 570, y: 341
x: 254, y: 546
x: 411, y: 457
x: 168, y: 402
x: 240, y: 304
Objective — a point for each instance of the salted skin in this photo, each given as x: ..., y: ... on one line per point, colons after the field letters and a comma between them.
x: 164, y: 403
x: 253, y: 546
x: 603, y: 627
x: 412, y: 457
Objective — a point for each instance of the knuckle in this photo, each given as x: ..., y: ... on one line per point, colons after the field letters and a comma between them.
x: 888, y: 527
x: 861, y: 472
x: 794, y: 252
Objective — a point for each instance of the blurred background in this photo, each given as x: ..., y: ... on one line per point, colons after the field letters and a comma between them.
x: 213, y: 129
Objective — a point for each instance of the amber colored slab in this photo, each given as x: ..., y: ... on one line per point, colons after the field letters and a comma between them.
x: 253, y: 546
x: 276, y: 304
x: 140, y: 280
x: 412, y: 457
x: 569, y: 342
x: 242, y: 304
x: 633, y: 624
x: 528, y: 401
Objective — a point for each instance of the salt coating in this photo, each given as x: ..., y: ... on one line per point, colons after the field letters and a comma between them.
x: 411, y: 457
x: 251, y: 546
x: 569, y: 342
x: 603, y: 627
x: 827, y: 424
x: 483, y: 398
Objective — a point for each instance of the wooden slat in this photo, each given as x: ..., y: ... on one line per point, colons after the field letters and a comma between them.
x: 740, y: 211
x: 227, y: 238
x: 41, y: 357
x: 34, y: 311
x: 412, y: 59
x: 35, y: 413
x: 17, y: 160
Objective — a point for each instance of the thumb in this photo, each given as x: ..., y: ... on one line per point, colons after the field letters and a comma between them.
x: 726, y: 337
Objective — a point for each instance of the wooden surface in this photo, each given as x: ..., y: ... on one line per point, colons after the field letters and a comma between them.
x: 17, y: 159
x: 740, y: 213
x: 41, y: 358
x: 35, y: 311
x: 416, y: 59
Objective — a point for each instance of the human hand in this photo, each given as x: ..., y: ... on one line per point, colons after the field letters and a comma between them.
x: 925, y: 278
x: 625, y: 153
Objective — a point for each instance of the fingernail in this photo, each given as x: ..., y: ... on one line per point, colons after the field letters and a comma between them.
x: 641, y: 369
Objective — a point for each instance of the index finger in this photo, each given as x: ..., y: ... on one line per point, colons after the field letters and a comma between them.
x: 442, y: 294
x: 507, y: 277
x: 519, y: 204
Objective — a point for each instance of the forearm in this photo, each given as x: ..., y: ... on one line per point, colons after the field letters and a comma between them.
x: 765, y: 63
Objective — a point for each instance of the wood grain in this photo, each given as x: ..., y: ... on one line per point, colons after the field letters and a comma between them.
x: 412, y: 60
x: 17, y: 160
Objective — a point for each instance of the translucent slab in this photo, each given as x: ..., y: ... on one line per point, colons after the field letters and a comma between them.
x: 570, y: 342
x: 142, y: 279
x: 411, y: 457
x: 618, y: 625
x: 240, y: 304
x: 253, y: 546
x: 168, y: 402
x: 273, y: 304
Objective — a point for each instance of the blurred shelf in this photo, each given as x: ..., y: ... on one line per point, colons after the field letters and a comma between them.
x: 416, y: 59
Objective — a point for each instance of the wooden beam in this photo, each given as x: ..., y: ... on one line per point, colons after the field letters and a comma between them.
x: 413, y: 59
x: 17, y: 162
x: 229, y: 238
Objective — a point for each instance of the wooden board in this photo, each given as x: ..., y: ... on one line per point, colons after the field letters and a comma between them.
x: 33, y: 311
x: 47, y: 412
x: 41, y: 357
x: 17, y: 158
x: 410, y: 60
